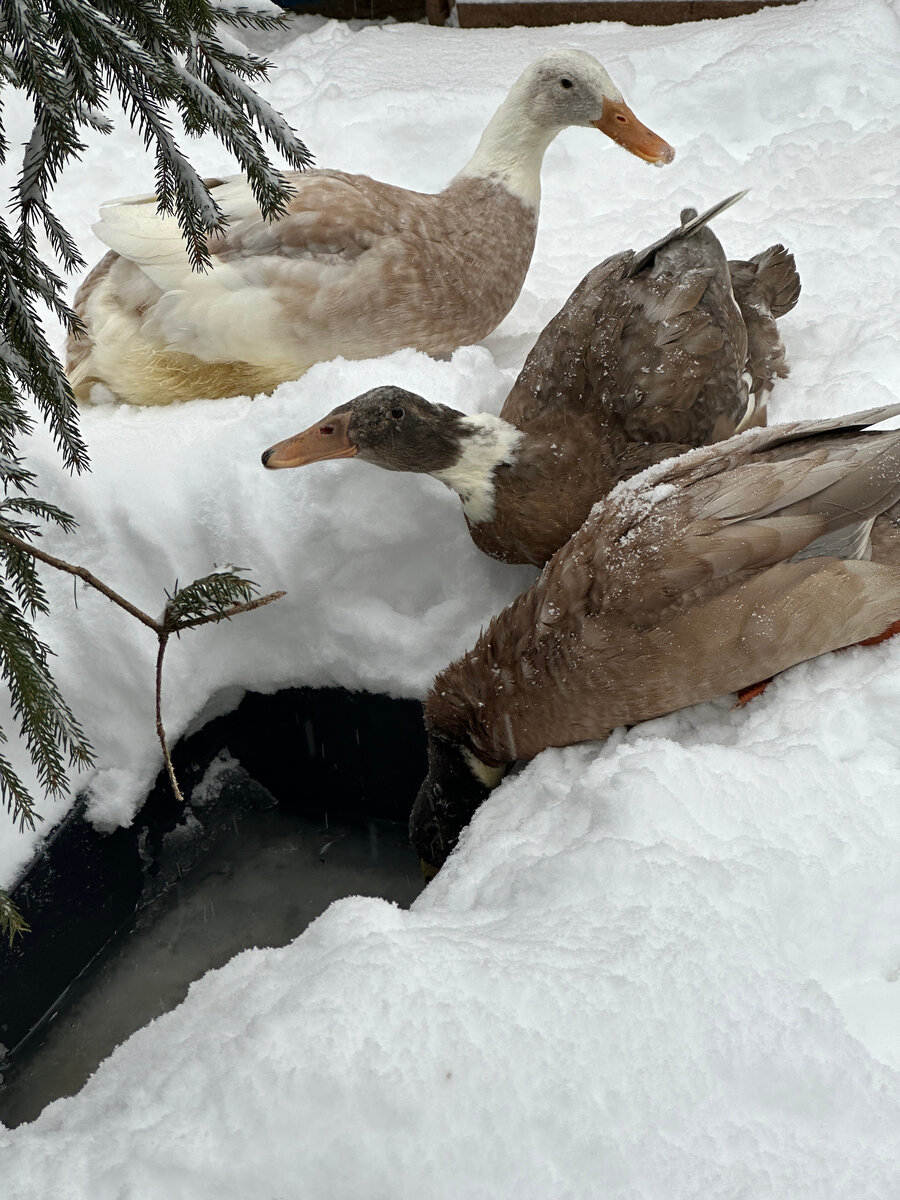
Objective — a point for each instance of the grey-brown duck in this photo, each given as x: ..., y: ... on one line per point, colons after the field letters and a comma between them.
x: 698, y: 578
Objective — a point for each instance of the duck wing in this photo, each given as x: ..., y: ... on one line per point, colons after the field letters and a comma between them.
x: 267, y: 279
x: 692, y: 527
x: 567, y: 366
x: 706, y: 574
x: 331, y: 216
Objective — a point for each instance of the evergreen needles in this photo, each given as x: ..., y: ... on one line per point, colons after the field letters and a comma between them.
x: 161, y: 59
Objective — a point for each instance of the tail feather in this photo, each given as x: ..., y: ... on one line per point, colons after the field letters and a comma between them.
x: 777, y: 279
x: 690, y: 223
x: 765, y: 287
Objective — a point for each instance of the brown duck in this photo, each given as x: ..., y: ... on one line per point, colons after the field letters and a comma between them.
x: 653, y: 353
x: 703, y: 575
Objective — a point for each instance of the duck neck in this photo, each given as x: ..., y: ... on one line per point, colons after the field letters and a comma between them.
x: 488, y: 442
x: 511, y: 151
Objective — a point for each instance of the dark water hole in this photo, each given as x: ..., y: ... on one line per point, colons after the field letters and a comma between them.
x: 305, y: 800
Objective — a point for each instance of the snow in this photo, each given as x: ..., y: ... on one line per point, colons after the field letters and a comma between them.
x: 662, y: 967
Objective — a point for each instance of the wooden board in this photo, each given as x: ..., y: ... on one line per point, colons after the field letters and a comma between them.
x: 564, y: 12
x: 505, y: 13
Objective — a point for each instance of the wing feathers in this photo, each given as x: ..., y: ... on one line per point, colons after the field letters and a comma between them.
x: 687, y: 525
x: 847, y: 541
x: 331, y: 215
x: 729, y: 550
x: 780, y: 435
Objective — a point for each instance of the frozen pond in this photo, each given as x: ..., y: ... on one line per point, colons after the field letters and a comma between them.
x: 264, y: 878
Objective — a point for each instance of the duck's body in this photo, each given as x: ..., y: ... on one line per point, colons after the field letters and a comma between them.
x: 283, y: 295
x: 706, y: 574
x: 649, y: 356
x: 355, y: 267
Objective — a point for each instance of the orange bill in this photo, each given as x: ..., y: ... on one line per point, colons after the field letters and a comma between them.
x: 619, y: 123
x: 327, y: 439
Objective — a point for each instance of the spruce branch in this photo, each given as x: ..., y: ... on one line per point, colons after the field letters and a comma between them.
x: 249, y: 18
x: 12, y: 923
x: 216, y: 597
x: 70, y: 58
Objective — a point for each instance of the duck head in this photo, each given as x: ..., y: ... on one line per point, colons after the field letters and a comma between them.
x: 400, y: 431
x: 561, y: 88
x: 456, y: 784
x: 570, y: 87
x: 388, y: 426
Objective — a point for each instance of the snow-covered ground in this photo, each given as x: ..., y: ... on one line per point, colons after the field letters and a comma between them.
x: 662, y: 967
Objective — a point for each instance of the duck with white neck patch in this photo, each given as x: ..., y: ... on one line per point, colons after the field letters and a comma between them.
x: 355, y: 267
x: 700, y: 577
x: 653, y: 353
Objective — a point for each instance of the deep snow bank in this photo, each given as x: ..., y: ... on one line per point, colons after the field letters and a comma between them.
x: 665, y: 967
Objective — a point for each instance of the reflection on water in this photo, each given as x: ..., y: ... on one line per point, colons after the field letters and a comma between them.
x: 258, y: 878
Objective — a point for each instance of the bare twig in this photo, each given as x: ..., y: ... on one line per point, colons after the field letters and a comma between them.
x: 162, y: 634
x: 82, y: 573
x: 160, y: 729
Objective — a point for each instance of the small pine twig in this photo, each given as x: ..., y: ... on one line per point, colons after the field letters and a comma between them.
x: 12, y: 923
x: 163, y: 629
x: 226, y: 614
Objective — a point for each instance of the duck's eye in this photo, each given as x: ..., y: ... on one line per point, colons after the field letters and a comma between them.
x: 397, y: 413
x: 566, y: 83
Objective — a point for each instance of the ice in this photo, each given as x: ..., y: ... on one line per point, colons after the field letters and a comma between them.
x: 664, y: 967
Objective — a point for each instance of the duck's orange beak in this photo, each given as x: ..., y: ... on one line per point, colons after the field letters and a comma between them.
x: 619, y: 123
x: 327, y: 439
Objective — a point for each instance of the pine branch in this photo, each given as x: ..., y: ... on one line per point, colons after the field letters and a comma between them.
x: 250, y: 18
x: 12, y: 923
x: 207, y: 597
x: 217, y: 597
x: 45, y: 721
x: 67, y: 55
x: 231, y: 610
x: 18, y: 800
x: 81, y: 573
x: 69, y: 58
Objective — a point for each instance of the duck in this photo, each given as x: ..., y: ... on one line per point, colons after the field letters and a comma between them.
x: 355, y: 267
x: 654, y: 352
x: 695, y: 579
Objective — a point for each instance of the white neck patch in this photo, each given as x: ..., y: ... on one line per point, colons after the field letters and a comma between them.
x: 489, y: 441
x: 489, y: 776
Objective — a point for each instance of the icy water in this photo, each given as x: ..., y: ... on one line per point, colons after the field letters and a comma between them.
x: 259, y: 881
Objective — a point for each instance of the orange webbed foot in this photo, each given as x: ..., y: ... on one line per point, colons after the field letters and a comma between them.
x: 746, y: 694
x: 881, y: 637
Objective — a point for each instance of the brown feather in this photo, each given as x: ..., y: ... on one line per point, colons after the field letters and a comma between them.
x: 429, y: 271
x: 766, y: 287
x: 667, y: 596
x: 639, y: 365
